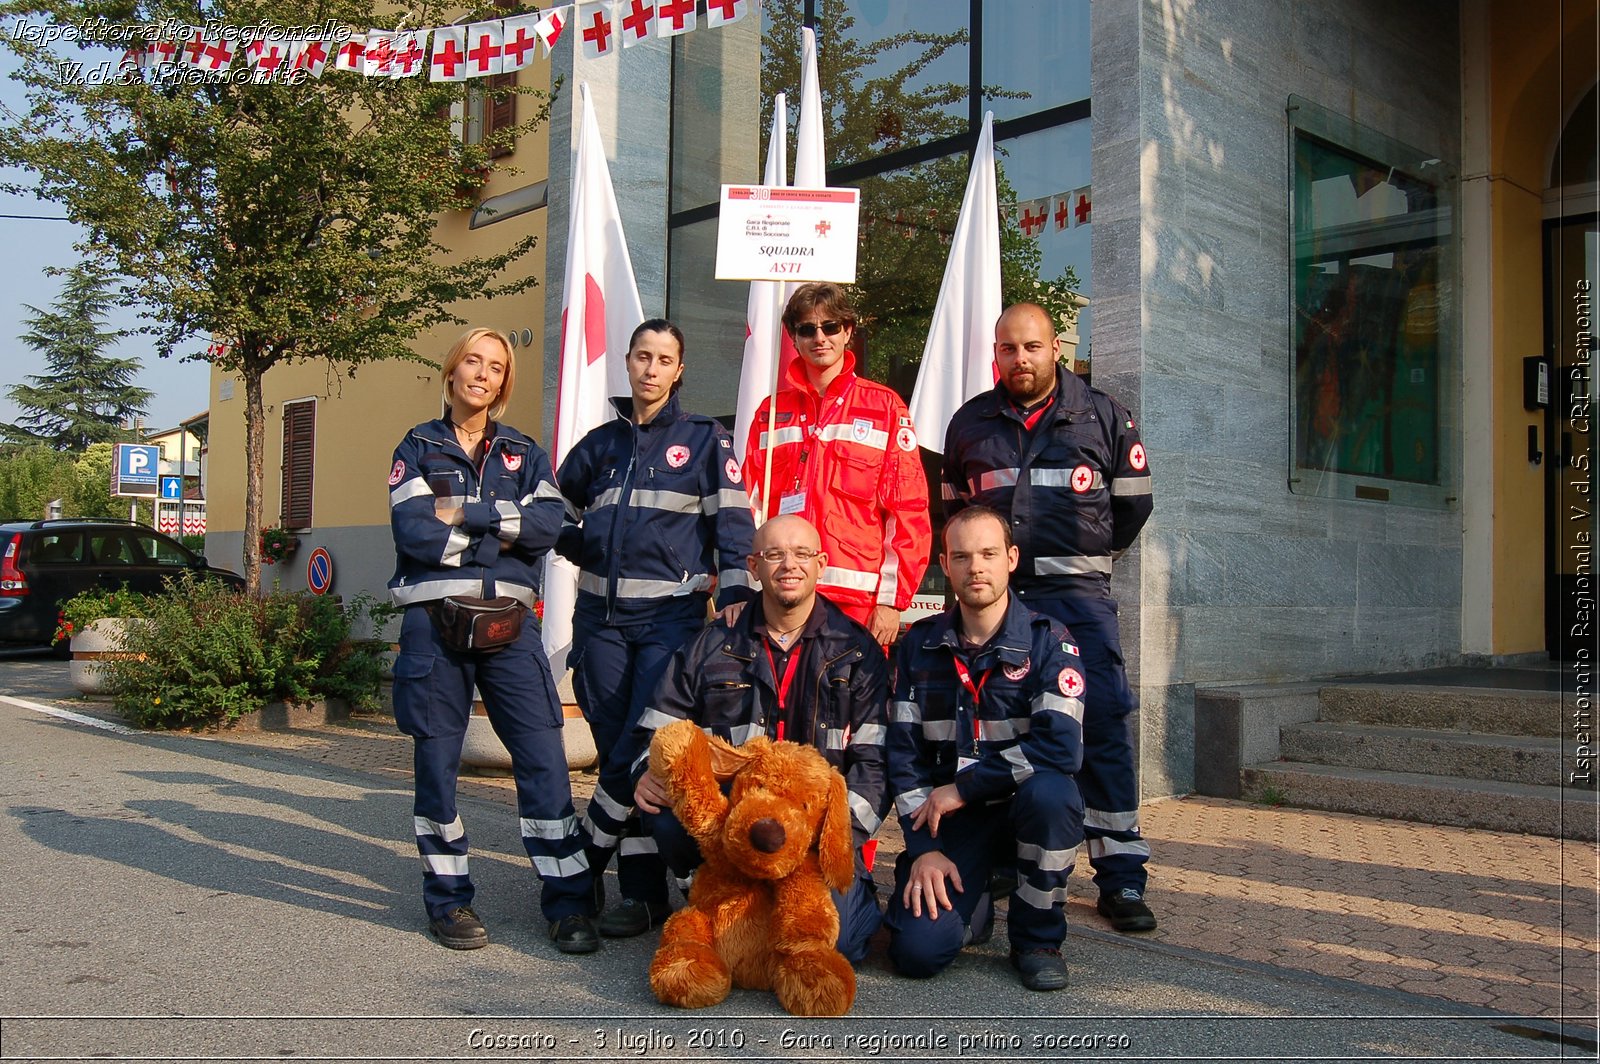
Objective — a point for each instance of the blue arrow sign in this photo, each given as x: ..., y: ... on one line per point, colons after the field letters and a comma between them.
x: 172, y: 487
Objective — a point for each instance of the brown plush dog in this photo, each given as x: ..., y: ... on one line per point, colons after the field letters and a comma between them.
x: 759, y: 913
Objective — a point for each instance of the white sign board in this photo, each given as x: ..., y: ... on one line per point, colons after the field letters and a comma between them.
x: 787, y: 234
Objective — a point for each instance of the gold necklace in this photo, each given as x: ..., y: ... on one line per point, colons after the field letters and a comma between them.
x: 470, y: 435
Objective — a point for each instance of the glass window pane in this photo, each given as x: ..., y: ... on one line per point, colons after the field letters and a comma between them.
x: 1372, y: 268
x: 718, y: 132
x: 711, y: 314
x: 1036, y: 53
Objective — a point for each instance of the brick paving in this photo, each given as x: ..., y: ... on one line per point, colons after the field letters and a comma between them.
x: 1485, y: 919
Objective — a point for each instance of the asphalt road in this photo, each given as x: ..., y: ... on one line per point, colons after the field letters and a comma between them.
x: 174, y: 897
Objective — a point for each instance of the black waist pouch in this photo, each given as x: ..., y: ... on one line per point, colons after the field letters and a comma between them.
x: 470, y: 625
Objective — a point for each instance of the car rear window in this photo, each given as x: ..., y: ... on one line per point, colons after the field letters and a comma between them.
x: 57, y: 548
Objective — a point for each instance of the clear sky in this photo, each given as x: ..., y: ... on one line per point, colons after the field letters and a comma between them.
x: 28, y: 248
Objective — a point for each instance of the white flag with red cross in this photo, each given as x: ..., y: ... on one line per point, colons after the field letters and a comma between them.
x: 449, y: 61
x: 597, y: 29
x: 191, y: 42
x: 599, y: 310
x: 164, y: 52
x: 378, y: 60
x: 265, y: 58
x: 1082, y: 202
x: 483, y: 49
x: 636, y: 21
x: 674, y: 17
x: 1032, y: 216
x: 549, y: 27
x: 215, y: 53
x: 722, y: 12
x: 410, y: 54
x: 957, y: 361
x: 764, y: 311
x: 1061, y: 211
x: 310, y: 56
x: 519, y: 42
x: 351, y: 53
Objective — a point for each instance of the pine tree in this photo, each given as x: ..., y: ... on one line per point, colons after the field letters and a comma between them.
x: 85, y: 394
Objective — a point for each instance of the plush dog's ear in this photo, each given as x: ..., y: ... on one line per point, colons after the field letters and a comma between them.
x: 835, y: 842
x: 727, y: 760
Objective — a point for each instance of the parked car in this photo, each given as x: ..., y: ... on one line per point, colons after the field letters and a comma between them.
x: 44, y: 563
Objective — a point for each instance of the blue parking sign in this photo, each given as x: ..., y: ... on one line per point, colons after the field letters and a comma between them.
x: 137, y: 470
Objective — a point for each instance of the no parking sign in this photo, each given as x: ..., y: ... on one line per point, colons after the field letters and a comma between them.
x: 319, y: 571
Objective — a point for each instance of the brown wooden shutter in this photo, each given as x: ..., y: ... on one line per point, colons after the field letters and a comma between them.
x: 299, y: 458
x: 500, y: 112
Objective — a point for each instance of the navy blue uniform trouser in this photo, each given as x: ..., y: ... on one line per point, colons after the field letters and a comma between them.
x: 1109, y: 778
x: 432, y: 700
x: 859, y: 915
x: 1045, y: 817
x: 614, y: 672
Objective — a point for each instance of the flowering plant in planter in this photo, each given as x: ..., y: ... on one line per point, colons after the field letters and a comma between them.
x: 278, y: 544
x: 83, y: 609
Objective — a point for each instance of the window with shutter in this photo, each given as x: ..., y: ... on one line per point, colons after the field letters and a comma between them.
x: 299, y: 455
x: 500, y: 112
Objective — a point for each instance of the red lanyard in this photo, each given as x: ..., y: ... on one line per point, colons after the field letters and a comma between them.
x: 783, y: 684
x: 973, y: 689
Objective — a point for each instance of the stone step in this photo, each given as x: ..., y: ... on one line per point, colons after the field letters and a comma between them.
x: 1534, y: 760
x: 1490, y: 804
x: 1470, y: 709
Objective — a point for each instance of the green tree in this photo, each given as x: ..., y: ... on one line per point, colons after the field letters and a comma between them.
x: 269, y: 222
x: 879, y: 97
x: 85, y: 394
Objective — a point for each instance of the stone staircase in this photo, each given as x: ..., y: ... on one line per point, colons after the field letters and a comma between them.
x: 1501, y: 753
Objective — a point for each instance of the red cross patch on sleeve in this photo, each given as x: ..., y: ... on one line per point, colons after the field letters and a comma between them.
x: 398, y: 473
x: 1136, y: 456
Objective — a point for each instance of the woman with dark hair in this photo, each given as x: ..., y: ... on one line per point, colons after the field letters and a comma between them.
x: 656, y: 516
x: 474, y: 509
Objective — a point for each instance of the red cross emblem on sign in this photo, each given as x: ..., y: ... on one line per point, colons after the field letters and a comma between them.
x: 677, y: 456
x: 518, y: 47
x: 1082, y: 210
x: 218, y: 54
x: 312, y: 57
x: 677, y: 11
x: 823, y: 227
x: 1082, y: 479
x: 636, y: 23
x: 599, y: 32
x: 483, y: 54
x: 1071, y: 682
x: 447, y: 57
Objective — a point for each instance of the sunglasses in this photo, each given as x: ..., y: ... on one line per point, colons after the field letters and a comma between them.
x: 808, y: 329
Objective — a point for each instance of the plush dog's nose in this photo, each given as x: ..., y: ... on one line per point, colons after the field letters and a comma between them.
x: 767, y: 835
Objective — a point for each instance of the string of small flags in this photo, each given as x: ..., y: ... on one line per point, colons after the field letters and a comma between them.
x: 447, y: 53
x: 1064, y: 210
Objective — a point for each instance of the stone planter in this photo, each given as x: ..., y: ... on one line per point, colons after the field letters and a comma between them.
x: 286, y: 716
x: 484, y: 751
x: 99, y: 641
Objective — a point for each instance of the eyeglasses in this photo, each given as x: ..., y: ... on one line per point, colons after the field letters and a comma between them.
x: 777, y: 555
x: 806, y: 330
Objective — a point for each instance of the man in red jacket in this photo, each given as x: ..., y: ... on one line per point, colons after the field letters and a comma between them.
x: 844, y: 456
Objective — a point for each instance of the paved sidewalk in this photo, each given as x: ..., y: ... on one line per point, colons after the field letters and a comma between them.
x: 1506, y: 923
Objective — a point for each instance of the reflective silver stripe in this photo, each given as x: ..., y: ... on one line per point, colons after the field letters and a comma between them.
x: 634, y: 844
x: 1020, y: 768
x: 1062, y: 478
x: 908, y: 802
x: 743, y: 733
x: 948, y: 492
x: 1078, y: 565
x: 411, y: 489
x: 434, y: 589
x: 549, y: 829
x: 1047, y: 860
x: 449, y: 502
x: 645, y: 589
x: 907, y: 713
x: 448, y: 832
x: 854, y: 579
x: 736, y: 578
x: 672, y: 502
x: 726, y: 499
x: 889, y: 572
x: 1032, y: 896
x: 792, y: 434
x: 522, y: 594
x: 608, y: 497
x: 1072, y: 707
x: 510, y: 520
x: 561, y: 867
x: 603, y: 839
x: 1108, y: 847
x: 1109, y: 821
x: 651, y: 719
x: 864, y: 814
x: 994, y: 478
x: 870, y: 735
x: 574, y: 515
x: 993, y: 731
x: 454, y: 547
x: 875, y: 438
x: 1130, y: 486
x: 836, y: 738
x: 939, y: 730
x: 615, y: 809
x: 547, y: 490
x: 446, y: 864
